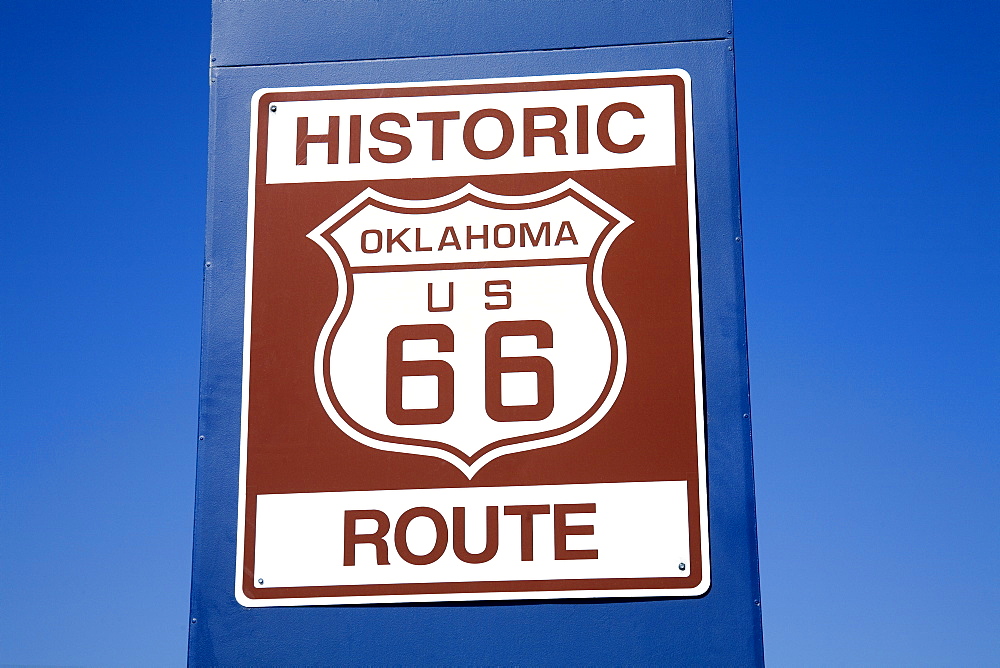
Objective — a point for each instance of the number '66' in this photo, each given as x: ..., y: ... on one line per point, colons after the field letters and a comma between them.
x: 496, y: 364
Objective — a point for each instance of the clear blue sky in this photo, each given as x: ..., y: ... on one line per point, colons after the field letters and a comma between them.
x: 869, y: 136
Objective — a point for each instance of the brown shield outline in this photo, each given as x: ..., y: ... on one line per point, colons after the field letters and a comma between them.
x: 471, y: 464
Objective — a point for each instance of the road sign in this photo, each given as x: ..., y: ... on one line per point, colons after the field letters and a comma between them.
x: 473, y: 362
x: 474, y: 382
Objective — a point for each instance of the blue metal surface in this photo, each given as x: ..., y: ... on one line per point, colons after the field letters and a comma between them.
x: 265, y: 32
x: 722, y: 627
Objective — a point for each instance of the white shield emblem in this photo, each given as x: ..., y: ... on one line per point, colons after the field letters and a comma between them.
x: 470, y: 326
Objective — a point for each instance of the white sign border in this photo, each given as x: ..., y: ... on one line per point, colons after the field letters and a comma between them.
x: 697, y: 348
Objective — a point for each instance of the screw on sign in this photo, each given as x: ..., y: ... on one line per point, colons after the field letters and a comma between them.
x: 472, y: 361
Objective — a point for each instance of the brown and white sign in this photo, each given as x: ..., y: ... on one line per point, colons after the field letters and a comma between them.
x: 472, y: 354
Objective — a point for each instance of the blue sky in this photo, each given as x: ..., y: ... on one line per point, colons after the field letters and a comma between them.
x: 871, y: 207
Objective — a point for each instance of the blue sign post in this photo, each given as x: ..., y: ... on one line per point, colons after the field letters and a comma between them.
x: 474, y: 383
